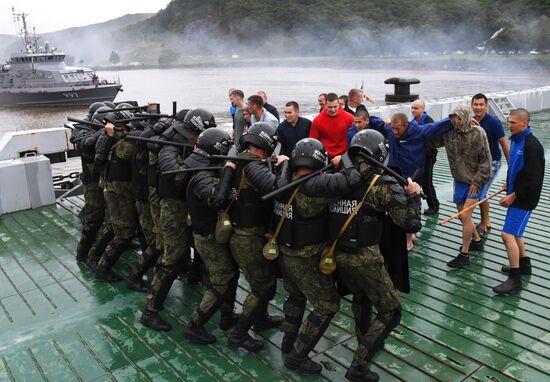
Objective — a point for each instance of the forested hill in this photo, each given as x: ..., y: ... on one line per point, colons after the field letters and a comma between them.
x: 347, y: 27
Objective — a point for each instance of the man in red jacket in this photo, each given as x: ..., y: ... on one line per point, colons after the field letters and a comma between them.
x: 331, y: 126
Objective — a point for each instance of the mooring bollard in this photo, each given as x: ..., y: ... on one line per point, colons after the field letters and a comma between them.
x: 402, y: 90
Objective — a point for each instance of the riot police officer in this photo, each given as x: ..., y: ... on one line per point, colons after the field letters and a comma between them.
x: 84, y: 138
x: 301, y: 239
x: 173, y: 211
x: 147, y: 212
x: 207, y: 193
x: 118, y: 193
x: 250, y: 217
x: 360, y: 264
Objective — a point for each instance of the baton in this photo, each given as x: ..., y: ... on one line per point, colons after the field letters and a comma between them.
x: 297, y: 182
x: 470, y: 207
x: 246, y: 159
x: 192, y: 169
x: 84, y: 122
x: 159, y: 141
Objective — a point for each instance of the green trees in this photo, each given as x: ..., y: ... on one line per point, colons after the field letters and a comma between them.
x: 357, y: 27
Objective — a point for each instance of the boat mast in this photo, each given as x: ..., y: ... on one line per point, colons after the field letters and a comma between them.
x: 24, y: 32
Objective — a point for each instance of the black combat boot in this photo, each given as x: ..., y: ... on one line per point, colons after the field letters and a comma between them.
x: 228, y: 320
x: 524, y: 266
x: 137, y: 283
x: 267, y: 322
x: 111, y: 255
x: 511, y: 285
x: 83, y: 247
x: 358, y: 373
x: 103, y: 239
x: 288, y: 342
x: 154, y: 321
x: 240, y: 337
x: 135, y: 280
x: 107, y: 275
x: 302, y: 363
x: 197, y: 334
x: 91, y: 263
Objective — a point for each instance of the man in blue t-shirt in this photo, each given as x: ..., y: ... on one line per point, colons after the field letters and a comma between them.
x: 495, y: 136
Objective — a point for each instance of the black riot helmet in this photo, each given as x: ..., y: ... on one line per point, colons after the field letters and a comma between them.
x: 310, y: 153
x: 109, y: 104
x: 180, y: 116
x: 262, y: 135
x: 214, y: 142
x: 372, y: 143
x: 123, y: 114
x: 195, y: 122
x: 93, y: 108
x: 100, y: 114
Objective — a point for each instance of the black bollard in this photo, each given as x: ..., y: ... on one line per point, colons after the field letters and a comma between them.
x: 402, y: 90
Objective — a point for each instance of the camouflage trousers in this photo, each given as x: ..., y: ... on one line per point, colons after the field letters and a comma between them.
x: 223, y: 276
x: 365, y: 275
x: 304, y: 282
x: 92, y: 216
x: 259, y: 272
x: 176, y: 254
x: 150, y: 255
x: 123, y: 216
x: 154, y: 205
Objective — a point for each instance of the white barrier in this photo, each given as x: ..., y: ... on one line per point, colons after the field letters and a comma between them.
x: 25, y: 183
x: 41, y: 141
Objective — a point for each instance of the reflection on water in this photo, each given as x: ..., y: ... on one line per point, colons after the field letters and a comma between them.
x: 207, y: 88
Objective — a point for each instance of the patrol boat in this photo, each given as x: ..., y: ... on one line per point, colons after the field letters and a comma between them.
x: 38, y: 76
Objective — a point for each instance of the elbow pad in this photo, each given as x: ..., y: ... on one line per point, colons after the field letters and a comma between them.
x: 284, y: 176
x: 102, y: 147
x: 221, y: 192
x: 353, y: 177
x: 414, y: 223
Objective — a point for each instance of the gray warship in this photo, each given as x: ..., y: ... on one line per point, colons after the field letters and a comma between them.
x: 38, y: 76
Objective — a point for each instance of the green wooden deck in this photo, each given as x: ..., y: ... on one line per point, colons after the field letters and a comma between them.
x: 57, y: 323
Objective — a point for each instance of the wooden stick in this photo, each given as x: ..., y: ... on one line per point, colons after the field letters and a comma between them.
x: 470, y: 207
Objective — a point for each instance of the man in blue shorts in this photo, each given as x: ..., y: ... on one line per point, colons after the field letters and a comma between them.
x: 495, y: 136
x: 470, y: 163
x: 523, y: 187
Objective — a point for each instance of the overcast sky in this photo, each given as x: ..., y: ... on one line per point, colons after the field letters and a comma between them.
x: 54, y: 15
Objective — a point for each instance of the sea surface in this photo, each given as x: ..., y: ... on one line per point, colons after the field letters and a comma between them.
x: 208, y: 88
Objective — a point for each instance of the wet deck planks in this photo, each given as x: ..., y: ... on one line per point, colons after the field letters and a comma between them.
x: 57, y: 323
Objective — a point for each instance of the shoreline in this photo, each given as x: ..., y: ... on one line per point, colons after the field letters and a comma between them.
x: 536, y: 64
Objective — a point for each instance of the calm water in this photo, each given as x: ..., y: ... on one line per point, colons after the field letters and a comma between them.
x: 207, y: 88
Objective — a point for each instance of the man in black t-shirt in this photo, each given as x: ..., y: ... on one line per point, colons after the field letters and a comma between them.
x: 272, y: 109
x: 292, y: 129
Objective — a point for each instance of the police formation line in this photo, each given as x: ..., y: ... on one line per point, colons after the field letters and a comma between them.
x: 316, y: 223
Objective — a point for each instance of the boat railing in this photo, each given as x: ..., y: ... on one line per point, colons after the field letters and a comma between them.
x: 100, y: 82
